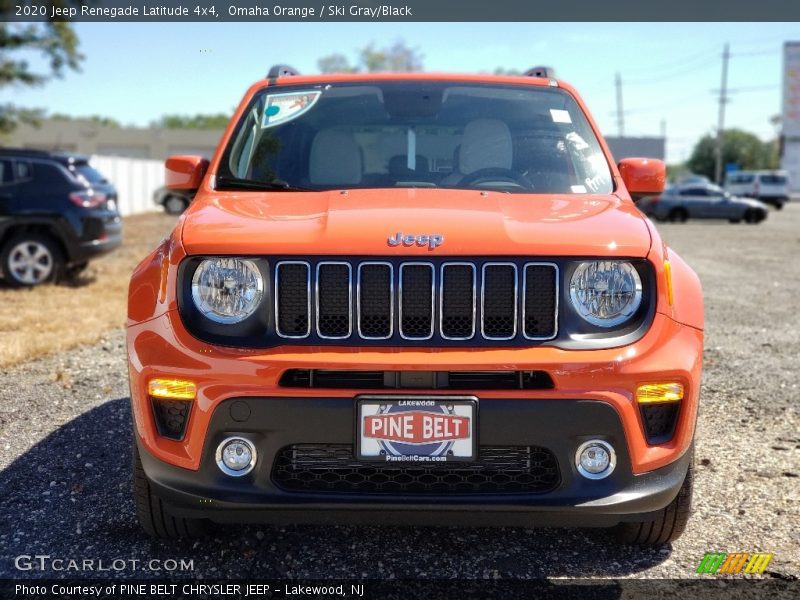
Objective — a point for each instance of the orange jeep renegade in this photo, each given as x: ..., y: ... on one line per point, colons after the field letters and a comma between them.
x: 418, y: 299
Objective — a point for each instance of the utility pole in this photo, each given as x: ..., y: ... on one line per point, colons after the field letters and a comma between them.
x: 723, y: 100
x: 620, y: 112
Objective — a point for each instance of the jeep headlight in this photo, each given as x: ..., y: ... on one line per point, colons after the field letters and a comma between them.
x: 606, y: 293
x: 227, y: 290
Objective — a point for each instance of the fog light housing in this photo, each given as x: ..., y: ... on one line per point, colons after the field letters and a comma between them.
x: 236, y: 456
x: 595, y: 459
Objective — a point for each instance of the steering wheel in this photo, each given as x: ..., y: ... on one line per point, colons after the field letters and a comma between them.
x: 495, y: 174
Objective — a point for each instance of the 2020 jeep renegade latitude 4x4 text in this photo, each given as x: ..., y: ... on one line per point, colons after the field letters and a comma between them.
x: 414, y: 298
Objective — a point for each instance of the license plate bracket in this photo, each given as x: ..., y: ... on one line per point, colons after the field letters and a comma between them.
x: 416, y: 429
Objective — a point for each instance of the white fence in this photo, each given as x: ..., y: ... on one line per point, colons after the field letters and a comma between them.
x: 135, y: 179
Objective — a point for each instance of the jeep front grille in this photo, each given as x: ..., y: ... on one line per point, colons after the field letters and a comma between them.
x: 416, y: 301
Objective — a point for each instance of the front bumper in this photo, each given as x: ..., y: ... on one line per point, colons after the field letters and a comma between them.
x: 560, y: 426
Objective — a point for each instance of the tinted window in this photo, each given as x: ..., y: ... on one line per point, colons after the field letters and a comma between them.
x: 24, y: 170
x: 418, y: 134
x: 694, y: 192
x: 773, y: 179
x: 5, y: 172
x: 87, y: 172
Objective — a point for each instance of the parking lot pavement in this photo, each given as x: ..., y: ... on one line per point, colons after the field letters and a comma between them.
x: 65, y: 456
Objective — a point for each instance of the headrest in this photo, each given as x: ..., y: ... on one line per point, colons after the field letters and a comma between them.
x: 486, y: 144
x: 335, y: 158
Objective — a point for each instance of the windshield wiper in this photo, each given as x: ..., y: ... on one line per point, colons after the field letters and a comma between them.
x: 248, y: 184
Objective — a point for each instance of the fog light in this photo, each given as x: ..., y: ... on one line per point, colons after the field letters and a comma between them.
x: 236, y: 456
x: 595, y: 459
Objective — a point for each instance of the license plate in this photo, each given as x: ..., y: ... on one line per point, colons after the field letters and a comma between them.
x: 416, y: 429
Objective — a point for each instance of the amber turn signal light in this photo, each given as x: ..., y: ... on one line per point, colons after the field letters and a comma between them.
x: 654, y: 393
x: 172, y: 389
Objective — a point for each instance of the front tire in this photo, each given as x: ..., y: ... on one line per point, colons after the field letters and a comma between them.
x: 153, y: 516
x: 670, y: 522
x: 31, y: 259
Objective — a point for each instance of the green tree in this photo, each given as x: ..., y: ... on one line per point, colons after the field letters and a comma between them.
x: 55, y: 41
x: 739, y: 147
x: 398, y: 58
x: 213, y: 121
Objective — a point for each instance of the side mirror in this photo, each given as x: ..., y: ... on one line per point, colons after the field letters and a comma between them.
x: 185, y: 172
x: 643, y: 176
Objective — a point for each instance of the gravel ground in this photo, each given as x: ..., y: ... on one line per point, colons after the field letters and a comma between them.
x: 65, y: 481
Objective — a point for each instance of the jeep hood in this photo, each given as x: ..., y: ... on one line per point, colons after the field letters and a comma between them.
x: 359, y: 222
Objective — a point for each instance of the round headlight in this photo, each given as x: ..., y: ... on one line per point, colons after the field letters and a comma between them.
x: 606, y: 293
x: 227, y: 290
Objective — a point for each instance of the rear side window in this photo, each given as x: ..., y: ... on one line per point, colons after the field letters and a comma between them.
x: 87, y: 172
x: 24, y: 170
x: 51, y: 176
x: 773, y: 179
x: 5, y: 172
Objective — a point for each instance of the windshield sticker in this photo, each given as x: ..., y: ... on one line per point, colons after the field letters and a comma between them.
x: 280, y: 108
x: 578, y: 189
x: 560, y: 116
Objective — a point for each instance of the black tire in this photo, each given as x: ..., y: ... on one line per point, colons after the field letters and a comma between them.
x: 779, y: 205
x: 678, y: 215
x: 174, y: 205
x: 754, y: 216
x: 54, y: 257
x: 670, y: 522
x: 152, y: 513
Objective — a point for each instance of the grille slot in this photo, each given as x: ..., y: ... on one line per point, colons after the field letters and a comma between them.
x: 540, y: 304
x: 439, y: 380
x: 416, y: 301
x: 320, y: 468
x: 499, y: 301
x: 171, y: 417
x: 293, y: 299
x: 659, y: 421
x: 375, y: 300
x: 457, y: 301
x: 333, y: 301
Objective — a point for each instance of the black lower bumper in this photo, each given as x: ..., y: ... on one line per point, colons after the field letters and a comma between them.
x: 272, y: 424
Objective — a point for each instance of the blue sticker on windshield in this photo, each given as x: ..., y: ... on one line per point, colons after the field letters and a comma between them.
x: 280, y: 108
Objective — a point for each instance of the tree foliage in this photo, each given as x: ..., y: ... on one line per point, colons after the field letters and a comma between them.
x: 56, y: 42
x: 739, y: 147
x: 397, y: 58
x: 213, y: 121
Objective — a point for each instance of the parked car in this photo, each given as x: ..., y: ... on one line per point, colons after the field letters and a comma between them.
x: 702, y: 201
x: 771, y: 187
x: 173, y: 201
x: 56, y: 213
x: 334, y: 334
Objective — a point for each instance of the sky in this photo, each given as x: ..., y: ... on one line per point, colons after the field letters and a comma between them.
x: 136, y: 72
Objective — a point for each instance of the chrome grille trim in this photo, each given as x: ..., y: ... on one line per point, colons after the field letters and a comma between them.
x: 349, y: 299
x: 483, y: 297
x: 391, y: 299
x: 557, y: 275
x: 307, y: 265
x: 474, y: 298
x: 400, y: 299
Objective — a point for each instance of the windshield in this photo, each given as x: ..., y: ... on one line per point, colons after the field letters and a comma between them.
x: 415, y: 134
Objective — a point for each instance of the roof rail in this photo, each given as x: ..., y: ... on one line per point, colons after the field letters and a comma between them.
x: 544, y: 72
x: 281, y: 71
